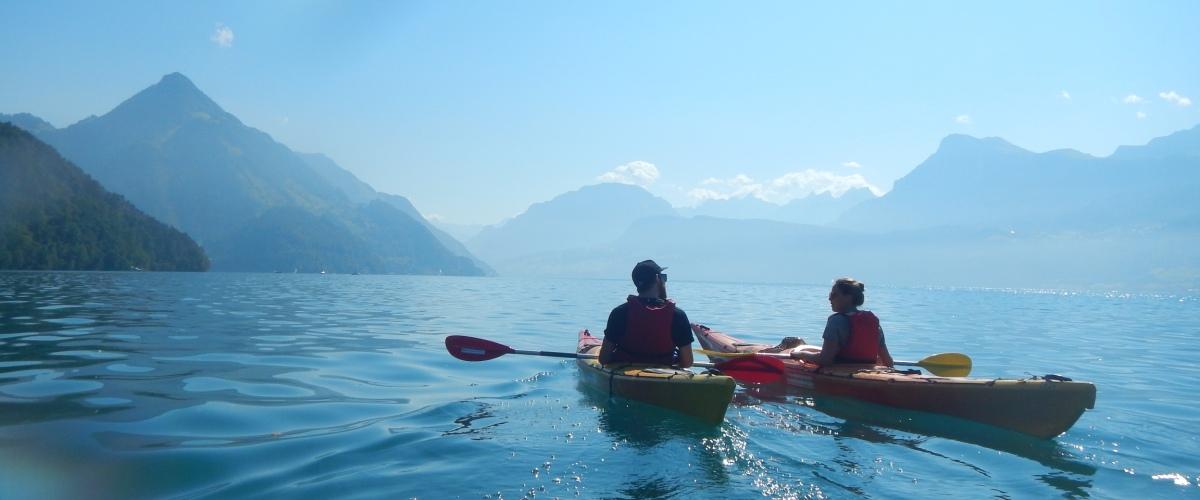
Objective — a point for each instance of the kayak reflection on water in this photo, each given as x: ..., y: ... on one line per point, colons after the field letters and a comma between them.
x: 869, y: 422
x: 643, y: 425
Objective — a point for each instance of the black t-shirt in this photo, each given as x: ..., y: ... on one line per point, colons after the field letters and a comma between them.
x: 681, y: 328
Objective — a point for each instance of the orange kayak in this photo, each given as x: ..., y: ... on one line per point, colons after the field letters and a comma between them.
x: 1037, y: 406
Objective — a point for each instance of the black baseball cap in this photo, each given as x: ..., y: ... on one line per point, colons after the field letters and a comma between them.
x: 645, y: 271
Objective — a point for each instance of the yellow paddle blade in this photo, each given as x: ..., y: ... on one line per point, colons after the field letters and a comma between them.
x: 947, y: 364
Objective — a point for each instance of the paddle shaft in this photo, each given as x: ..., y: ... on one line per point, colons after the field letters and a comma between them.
x: 750, y: 370
x: 781, y: 355
x: 945, y: 364
x: 576, y: 355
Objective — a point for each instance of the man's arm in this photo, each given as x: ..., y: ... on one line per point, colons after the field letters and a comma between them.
x: 614, y: 331
x: 606, y: 351
x: 681, y: 336
x: 685, y: 356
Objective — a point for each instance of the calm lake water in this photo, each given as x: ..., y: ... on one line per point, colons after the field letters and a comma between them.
x: 128, y: 385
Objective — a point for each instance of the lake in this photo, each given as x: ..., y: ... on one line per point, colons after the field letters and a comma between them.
x: 130, y: 385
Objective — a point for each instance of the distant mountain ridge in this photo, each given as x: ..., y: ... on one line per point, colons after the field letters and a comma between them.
x: 978, y: 212
x: 1184, y: 143
x: 991, y: 183
x: 177, y: 155
x: 592, y: 215
x: 360, y: 192
x: 53, y: 216
x: 28, y: 122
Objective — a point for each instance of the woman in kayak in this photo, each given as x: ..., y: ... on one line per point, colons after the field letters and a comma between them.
x: 851, y: 335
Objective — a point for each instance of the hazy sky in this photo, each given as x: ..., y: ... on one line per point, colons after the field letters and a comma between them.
x: 474, y: 110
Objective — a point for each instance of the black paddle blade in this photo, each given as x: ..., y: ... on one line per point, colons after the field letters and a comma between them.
x: 475, y: 349
x: 754, y: 370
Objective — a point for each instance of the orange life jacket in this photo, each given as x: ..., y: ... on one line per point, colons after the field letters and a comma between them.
x: 647, y: 334
x: 863, y: 346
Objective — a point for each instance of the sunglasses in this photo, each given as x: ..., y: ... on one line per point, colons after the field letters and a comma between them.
x: 663, y: 276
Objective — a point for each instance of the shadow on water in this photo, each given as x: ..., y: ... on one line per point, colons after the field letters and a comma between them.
x: 860, y: 416
x: 480, y: 421
x: 652, y: 487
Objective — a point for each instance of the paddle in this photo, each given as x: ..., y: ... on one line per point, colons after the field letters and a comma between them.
x: 753, y: 369
x: 946, y: 364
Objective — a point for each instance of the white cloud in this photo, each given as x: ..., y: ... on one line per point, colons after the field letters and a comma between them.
x: 1065, y: 95
x: 1140, y: 115
x: 1175, y: 98
x: 782, y: 189
x: 851, y: 164
x: 963, y: 119
x: 1133, y: 99
x: 739, y: 186
x: 222, y: 36
x: 743, y: 181
x: 701, y: 194
x: 808, y: 182
x: 640, y: 173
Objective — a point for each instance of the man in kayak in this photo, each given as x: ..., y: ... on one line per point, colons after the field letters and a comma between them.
x: 851, y: 335
x: 648, y: 328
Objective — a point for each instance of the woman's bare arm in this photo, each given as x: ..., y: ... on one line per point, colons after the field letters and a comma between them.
x: 826, y: 356
x: 885, y: 357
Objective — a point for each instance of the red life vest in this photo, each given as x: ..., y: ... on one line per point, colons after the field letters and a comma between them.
x: 647, y: 334
x: 863, y: 346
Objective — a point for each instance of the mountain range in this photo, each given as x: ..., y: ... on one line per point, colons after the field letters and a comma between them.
x: 254, y: 204
x: 587, y: 217
x: 992, y: 183
x: 978, y: 212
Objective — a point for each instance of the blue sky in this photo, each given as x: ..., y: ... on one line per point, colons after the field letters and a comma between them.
x: 474, y: 110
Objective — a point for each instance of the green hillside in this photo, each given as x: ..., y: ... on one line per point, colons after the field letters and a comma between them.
x: 54, y: 216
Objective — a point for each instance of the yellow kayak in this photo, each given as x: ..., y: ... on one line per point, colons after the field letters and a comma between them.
x: 701, y: 395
